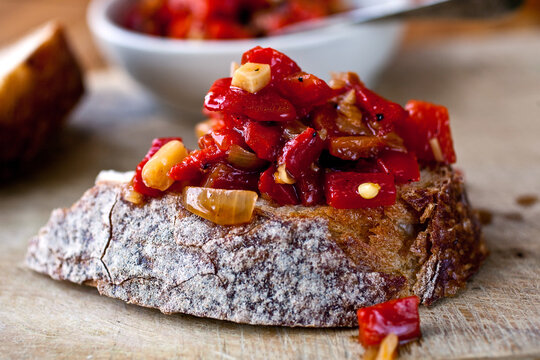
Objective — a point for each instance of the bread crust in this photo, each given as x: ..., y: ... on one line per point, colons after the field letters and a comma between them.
x: 291, y: 266
x: 37, y: 95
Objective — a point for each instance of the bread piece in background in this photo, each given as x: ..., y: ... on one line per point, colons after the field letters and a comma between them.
x: 40, y: 83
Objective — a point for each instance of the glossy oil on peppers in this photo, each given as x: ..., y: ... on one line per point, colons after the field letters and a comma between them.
x: 398, y: 317
x: 297, y: 140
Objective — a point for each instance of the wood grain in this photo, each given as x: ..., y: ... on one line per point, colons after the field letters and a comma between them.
x: 492, y: 88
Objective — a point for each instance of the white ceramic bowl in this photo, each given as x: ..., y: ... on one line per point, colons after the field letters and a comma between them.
x: 180, y: 72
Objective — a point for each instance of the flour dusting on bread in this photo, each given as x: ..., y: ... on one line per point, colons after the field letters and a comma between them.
x: 286, y: 267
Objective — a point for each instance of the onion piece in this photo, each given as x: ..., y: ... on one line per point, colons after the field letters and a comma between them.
x: 223, y: 207
x: 355, y: 147
x: 293, y: 129
x: 243, y: 159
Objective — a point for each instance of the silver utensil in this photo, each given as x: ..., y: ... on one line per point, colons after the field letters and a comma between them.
x: 362, y: 11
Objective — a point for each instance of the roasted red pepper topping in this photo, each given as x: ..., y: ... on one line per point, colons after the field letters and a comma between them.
x: 225, y: 176
x: 396, y: 316
x: 300, y: 153
x: 381, y: 114
x: 280, y: 64
x: 264, y: 140
x: 310, y: 188
x: 342, y: 190
x: 324, y: 119
x: 426, y: 131
x: 192, y: 166
x: 221, y: 19
x: 283, y: 194
x: 225, y: 138
x: 138, y: 184
x: 297, y: 140
x: 266, y: 105
x: 305, y: 91
x: 299, y: 156
x: 403, y: 166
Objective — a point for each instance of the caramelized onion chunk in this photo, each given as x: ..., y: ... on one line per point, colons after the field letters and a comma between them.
x: 223, y: 207
x: 243, y: 159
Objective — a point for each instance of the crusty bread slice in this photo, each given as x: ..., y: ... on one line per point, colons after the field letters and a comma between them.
x: 291, y: 265
x: 40, y: 82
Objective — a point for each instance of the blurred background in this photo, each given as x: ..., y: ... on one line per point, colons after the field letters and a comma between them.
x: 19, y: 16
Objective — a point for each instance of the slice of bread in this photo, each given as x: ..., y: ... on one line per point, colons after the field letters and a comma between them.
x: 40, y: 82
x: 292, y: 265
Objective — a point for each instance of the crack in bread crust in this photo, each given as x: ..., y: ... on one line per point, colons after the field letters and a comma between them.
x: 291, y: 266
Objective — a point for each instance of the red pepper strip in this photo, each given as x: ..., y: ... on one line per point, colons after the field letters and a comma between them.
x: 265, y: 105
x: 234, y: 121
x: 341, y: 189
x: 380, y: 113
x: 396, y: 316
x: 280, y: 64
x: 264, y: 140
x: 225, y: 176
x: 310, y: 188
x: 192, y: 166
x: 225, y: 138
x: 427, y: 121
x: 206, y: 141
x: 404, y: 166
x: 324, y: 118
x: 299, y: 153
x: 138, y: 183
x: 283, y: 194
x: 305, y: 91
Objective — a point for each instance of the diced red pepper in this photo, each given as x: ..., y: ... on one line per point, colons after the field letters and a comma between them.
x: 283, y: 194
x: 427, y: 121
x: 404, y: 166
x: 264, y: 140
x: 375, y: 146
x: 305, y: 91
x: 341, y: 190
x: 231, y: 17
x: 280, y: 64
x: 192, y: 166
x: 225, y: 138
x: 324, y: 118
x: 206, y: 141
x: 367, y: 166
x: 138, y: 183
x: 380, y: 114
x: 310, y: 188
x: 265, y: 105
x: 225, y: 176
x: 235, y: 121
x: 395, y: 316
x: 301, y: 152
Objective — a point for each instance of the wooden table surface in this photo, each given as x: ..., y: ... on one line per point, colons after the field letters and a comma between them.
x: 491, y: 85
